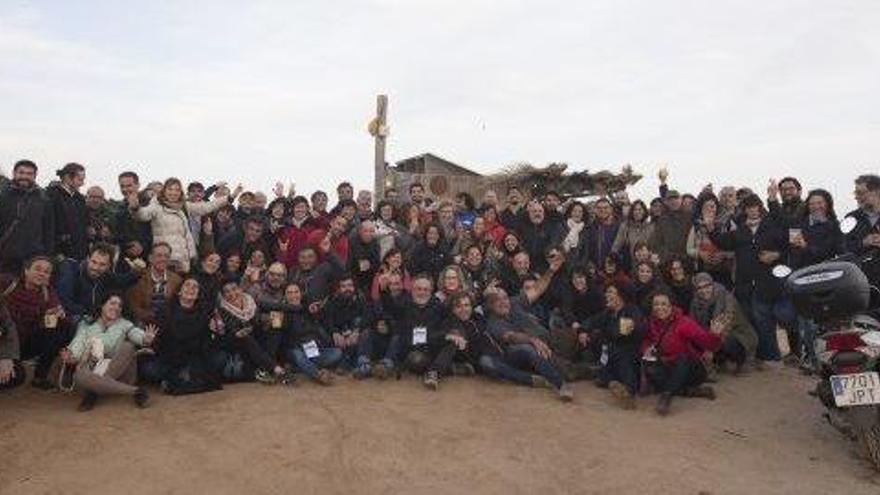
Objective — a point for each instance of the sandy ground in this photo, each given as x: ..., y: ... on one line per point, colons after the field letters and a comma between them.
x: 762, y: 435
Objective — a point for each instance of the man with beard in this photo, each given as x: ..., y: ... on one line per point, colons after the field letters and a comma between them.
x: 27, y: 225
x: 789, y: 212
x: 346, y: 317
x: 538, y: 234
x: 83, y: 283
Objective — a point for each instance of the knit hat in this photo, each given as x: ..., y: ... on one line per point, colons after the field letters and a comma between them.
x: 702, y: 278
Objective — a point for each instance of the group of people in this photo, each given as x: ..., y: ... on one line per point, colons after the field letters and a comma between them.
x: 191, y: 287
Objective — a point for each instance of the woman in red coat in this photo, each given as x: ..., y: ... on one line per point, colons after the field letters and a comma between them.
x: 673, y: 351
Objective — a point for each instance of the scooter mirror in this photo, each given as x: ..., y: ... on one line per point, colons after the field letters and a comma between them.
x: 848, y: 224
x: 781, y: 271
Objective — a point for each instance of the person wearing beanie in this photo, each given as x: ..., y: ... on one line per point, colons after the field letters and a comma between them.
x: 713, y: 304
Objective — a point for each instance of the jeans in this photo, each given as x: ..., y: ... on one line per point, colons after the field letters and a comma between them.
x: 676, y: 377
x: 374, y: 345
x: 328, y: 358
x: 524, y: 356
x: 767, y: 315
x: 808, y: 329
x: 496, y: 367
x: 623, y: 368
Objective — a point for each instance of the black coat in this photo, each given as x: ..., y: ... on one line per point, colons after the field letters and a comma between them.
x: 429, y: 316
x: 33, y: 233
x: 71, y: 221
x: 824, y: 241
x: 427, y: 259
x: 536, y: 239
x: 752, y: 276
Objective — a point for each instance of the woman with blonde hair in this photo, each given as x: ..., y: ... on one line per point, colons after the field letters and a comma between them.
x: 168, y: 213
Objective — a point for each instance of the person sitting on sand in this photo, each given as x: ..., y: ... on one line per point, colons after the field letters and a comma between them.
x: 672, y: 352
x: 103, y: 353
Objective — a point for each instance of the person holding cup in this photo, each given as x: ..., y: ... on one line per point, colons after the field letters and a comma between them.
x: 616, y: 334
x: 40, y: 321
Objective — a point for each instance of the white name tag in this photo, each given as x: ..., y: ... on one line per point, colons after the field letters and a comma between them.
x: 311, y: 349
x: 420, y: 335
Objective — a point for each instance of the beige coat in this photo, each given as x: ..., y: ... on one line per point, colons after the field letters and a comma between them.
x: 172, y: 226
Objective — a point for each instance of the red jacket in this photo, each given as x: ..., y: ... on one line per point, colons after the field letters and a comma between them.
x: 681, y: 337
x: 296, y: 239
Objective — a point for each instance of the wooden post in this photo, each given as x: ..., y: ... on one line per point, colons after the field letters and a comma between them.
x: 379, y: 165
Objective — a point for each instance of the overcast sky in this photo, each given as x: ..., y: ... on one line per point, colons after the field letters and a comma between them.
x: 724, y: 91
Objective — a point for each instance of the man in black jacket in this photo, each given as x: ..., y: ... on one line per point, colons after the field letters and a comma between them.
x: 27, y: 224
x: 134, y: 238
x: 758, y: 244
x: 538, y: 234
x: 82, y: 284
x: 69, y: 208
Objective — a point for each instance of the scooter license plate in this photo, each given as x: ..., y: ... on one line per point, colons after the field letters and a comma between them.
x: 857, y: 389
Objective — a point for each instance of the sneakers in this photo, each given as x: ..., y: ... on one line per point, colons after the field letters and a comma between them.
x: 664, y: 403
x: 463, y: 369
x: 288, y: 378
x: 88, y: 402
x: 622, y: 395
x: 362, y: 371
x: 264, y: 377
x: 141, y: 397
x: 566, y: 393
x: 432, y: 380
x: 539, y: 381
x: 324, y: 377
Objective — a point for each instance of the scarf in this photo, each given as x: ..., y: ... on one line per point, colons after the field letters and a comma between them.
x: 753, y: 224
x: 574, y: 232
x: 817, y: 218
x: 246, y: 313
x: 703, y: 311
x: 298, y: 223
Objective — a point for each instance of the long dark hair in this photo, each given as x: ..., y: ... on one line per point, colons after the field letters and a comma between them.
x: 829, y: 200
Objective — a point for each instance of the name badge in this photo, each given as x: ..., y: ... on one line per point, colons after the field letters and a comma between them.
x: 627, y: 325
x: 420, y: 336
x: 50, y: 321
x: 311, y: 349
x: 276, y: 318
x: 603, y: 359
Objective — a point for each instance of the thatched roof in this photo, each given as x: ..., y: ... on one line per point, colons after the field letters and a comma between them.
x: 554, y: 177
